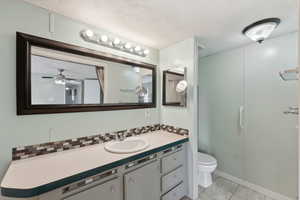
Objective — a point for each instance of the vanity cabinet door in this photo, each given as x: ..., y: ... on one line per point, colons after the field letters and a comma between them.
x: 110, y: 190
x: 143, y: 183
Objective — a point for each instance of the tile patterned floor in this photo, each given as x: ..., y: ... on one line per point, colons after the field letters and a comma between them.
x: 223, y: 189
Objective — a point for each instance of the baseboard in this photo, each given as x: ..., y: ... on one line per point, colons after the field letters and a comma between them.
x: 185, y: 198
x: 257, y: 188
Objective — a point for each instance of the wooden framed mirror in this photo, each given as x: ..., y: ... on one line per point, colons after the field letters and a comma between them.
x: 172, y: 85
x: 55, y: 77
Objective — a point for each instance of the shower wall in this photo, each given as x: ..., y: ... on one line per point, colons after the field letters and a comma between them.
x: 262, y: 147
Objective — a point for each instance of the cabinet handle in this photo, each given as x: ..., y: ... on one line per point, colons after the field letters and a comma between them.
x: 175, y: 158
x: 241, y: 117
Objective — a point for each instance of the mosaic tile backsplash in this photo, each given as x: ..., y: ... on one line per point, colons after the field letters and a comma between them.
x: 24, y: 152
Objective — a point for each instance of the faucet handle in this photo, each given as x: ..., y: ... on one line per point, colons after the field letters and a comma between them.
x: 117, y: 136
x: 121, y: 134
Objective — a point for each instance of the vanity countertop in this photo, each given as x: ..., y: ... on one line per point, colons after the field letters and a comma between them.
x: 34, y: 176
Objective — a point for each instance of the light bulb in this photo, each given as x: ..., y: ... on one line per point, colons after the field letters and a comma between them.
x: 137, y: 48
x: 146, y: 51
x: 104, y: 38
x: 117, y: 41
x: 127, y: 45
x: 89, y: 33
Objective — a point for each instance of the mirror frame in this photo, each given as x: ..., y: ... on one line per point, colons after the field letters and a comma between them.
x: 164, y: 92
x: 24, y: 106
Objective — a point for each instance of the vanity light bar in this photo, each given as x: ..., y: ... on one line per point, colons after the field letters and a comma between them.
x: 114, y: 43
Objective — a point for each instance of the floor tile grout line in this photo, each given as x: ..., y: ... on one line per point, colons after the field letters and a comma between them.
x: 236, y: 189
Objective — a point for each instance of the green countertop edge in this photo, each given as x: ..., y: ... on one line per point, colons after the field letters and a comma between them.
x: 26, y: 193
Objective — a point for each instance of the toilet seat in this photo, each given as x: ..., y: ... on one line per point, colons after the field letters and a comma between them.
x: 205, y: 159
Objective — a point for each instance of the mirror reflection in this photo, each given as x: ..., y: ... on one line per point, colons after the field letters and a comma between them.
x: 63, y: 78
x: 174, y: 88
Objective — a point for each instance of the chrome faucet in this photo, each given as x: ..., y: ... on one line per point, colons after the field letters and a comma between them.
x: 121, y: 135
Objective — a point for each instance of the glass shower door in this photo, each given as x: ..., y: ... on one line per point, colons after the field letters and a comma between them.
x: 270, y: 136
x: 260, y: 144
x: 220, y: 97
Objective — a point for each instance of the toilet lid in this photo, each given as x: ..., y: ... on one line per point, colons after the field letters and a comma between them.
x: 206, y: 159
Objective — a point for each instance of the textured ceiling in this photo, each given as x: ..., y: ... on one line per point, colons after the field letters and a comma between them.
x: 159, y: 23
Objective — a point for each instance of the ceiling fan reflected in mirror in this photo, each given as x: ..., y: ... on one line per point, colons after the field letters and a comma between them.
x: 61, y: 79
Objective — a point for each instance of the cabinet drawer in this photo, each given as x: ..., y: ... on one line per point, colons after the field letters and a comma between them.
x: 171, y: 162
x: 172, y: 179
x: 176, y: 194
x: 109, y: 190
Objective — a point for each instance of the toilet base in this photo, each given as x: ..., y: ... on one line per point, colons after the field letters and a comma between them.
x: 205, y: 179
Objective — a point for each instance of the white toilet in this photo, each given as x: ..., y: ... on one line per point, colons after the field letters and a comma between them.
x: 206, y: 166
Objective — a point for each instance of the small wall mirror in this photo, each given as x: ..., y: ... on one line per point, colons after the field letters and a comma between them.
x: 174, y: 87
x: 56, y: 77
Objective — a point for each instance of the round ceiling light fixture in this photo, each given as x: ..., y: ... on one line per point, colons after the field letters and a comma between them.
x: 261, y: 30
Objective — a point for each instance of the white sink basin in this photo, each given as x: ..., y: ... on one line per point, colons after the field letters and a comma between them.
x: 129, y: 145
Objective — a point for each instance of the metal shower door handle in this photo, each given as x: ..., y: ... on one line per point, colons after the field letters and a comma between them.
x: 241, y: 117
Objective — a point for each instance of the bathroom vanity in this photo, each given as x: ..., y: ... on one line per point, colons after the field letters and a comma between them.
x: 144, y: 163
x: 158, y: 172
